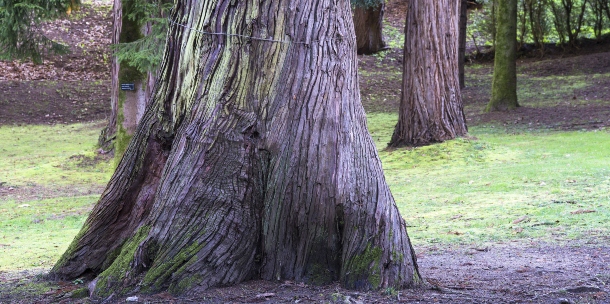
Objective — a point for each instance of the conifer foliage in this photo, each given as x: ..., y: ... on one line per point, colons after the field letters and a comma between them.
x: 19, y: 27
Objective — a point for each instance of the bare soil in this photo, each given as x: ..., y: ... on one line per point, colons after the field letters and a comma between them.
x: 66, y: 88
x: 75, y: 88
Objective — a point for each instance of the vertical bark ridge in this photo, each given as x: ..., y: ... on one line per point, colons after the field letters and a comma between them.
x: 431, y: 107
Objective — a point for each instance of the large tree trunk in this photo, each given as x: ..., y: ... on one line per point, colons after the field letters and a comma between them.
x: 252, y: 161
x: 431, y: 107
x: 368, y: 24
x: 504, y: 82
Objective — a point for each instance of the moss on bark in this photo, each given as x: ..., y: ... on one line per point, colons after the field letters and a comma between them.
x: 159, y: 274
x: 116, y: 273
x: 504, y: 83
x: 364, y: 270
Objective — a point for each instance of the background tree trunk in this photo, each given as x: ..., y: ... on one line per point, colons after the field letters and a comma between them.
x: 127, y: 107
x: 462, y: 47
x: 108, y: 134
x: 368, y: 23
x: 431, y: 104
x: 504, y: 83
x: 253, y: 161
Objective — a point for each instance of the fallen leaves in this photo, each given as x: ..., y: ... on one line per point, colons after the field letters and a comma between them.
x: 88, y: 38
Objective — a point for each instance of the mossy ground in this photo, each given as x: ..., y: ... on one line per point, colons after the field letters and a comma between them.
x: 50, y: 176
x: 474, y: 190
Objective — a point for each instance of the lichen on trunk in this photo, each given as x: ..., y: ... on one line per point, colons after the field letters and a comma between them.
x: 244, y: 164
x: 504, y: 81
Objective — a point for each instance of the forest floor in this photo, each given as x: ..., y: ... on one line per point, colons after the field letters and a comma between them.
x: 75, y: 88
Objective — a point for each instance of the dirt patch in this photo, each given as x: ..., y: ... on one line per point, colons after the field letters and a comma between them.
x: 87, y: 33
x: 496, y: 273
x: 86, y: 163
x: 592, y: 63
x: 65, y: 88
x: 53, y: 101
x: 395, y: 13
x: 560, y: 117
x: 37, y: 192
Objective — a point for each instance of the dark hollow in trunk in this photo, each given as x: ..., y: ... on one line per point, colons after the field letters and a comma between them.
x: 368, y: 24
x: 431, y: 107
x: 253, y: 160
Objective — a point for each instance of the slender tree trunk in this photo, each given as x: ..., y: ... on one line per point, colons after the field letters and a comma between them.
x: 431, y: 104
x: 537, y: 15
x: 252, y: 161
x: 368, y: 23
x: 578, y: 25
x: 127, y: 107
x: 108, y: 134
x: 504, y: 83
x: 597, y: 8
x: 494, y: 21
x: 462, y: 47
x: 522, y: 21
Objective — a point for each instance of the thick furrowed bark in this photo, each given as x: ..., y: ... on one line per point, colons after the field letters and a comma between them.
x: 271, y: 172
x: 431, y: 104
x: 125, y: 203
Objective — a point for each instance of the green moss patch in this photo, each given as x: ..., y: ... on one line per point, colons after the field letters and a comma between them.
x: 111, y: 279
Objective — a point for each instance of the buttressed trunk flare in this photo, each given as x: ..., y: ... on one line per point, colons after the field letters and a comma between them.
x: 431, y: 108
x: 252, y: 161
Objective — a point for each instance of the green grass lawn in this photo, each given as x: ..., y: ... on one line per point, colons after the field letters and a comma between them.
x: 495, y: 187
x: 489, y: 187
x: 50, y: 177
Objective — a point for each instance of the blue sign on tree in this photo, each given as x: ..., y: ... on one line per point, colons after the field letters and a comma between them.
x: 128, y: 87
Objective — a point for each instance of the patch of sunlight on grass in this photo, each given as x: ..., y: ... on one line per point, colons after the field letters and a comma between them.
x: 59, y: 155
x: 475, y: 190
x: 50, y: 177
x: 394, y: 36
x: 35, y: 233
